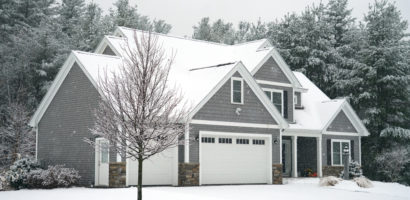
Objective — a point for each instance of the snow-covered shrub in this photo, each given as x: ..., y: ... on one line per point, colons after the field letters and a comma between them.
x: 355, y: 170
x: 363, y: 182
x: 393, y: 162
x: 52, y: 177
x: 18, y: 172
x: 3, y: 182
x: 329, y: 181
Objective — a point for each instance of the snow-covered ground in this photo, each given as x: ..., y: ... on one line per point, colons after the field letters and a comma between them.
x: 293, y: 189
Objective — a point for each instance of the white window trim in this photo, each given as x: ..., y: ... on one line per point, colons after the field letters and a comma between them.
x: 277, y: 91
x: 236, y: 79
x: 341, y: 150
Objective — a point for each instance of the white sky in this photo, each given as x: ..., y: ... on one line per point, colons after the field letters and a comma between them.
x: 183, y: 14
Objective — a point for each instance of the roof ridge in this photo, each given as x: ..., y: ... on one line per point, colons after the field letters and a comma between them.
x: 95, y: 54
x: 179, y: 37
x: 248, y: 42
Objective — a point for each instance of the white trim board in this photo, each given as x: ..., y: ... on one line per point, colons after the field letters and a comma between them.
x: 236, y: 124
x: 273, y: 83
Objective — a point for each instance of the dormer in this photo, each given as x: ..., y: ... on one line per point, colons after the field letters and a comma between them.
x: 279, y: 83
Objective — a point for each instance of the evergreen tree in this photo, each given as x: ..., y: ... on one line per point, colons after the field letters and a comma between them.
x: 383, y: 97
x: 203, y: 30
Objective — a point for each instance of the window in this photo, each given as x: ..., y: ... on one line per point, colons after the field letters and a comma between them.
x: 258, y: 142
x: 242, y: 141
x: 295, y: 99
x: 236, y: 90
x: 276, y: 97
x: 208, y: 140
x: 337, y: 151
x: 104, y: 152
x: 225, y: 140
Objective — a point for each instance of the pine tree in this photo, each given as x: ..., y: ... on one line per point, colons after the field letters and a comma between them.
x: 203, y: 30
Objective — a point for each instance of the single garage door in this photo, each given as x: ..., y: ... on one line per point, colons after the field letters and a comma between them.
x: 229, y: 158
x: 160, y: 169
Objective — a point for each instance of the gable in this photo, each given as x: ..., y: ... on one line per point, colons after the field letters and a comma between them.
x: 220, y: 108
x: 270, y: 71
x: 108, y: 51
x: 341, y: 123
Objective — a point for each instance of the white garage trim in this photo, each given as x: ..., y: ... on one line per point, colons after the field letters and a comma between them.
x: 240, y: 124
x: 224, y: 134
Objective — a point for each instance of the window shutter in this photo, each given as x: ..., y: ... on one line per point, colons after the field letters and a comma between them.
x: 329, y: 152
x: 352, y: 150
x: 285, y: 104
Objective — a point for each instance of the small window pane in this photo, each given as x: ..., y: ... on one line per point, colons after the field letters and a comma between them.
x: 344, y: 145
x: 269, y: 94
x: 237, y: 85
x: 104, y: 152
x: 277, y: 100
x: 237, y: 97
x: 237, y: 91
x: 336, y: 153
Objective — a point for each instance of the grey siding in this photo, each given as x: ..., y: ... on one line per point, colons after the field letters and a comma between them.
x: 195, y: 128
x: 325, y: 139
x: 66, y: 123
x: 341, y: 124
x: 299, y: 99
x: 220, y: 108
x: 290, y: 98
x: 181, y: 153
x: 108, y: 51
x: 270, y: 71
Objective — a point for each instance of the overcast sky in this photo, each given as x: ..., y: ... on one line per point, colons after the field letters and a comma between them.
x: 183, y: 14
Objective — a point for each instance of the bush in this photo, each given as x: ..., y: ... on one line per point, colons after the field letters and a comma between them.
x: 355, y: 170
x: 18, y: 172
x: 53, y: 177
x: 363, y: 182
x: 329, y: 181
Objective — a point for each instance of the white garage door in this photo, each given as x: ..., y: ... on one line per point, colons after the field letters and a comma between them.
x: 228, y: 158
x: 160, y: 169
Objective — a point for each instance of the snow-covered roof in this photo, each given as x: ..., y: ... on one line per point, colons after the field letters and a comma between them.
x: 190, y: 54
x: 318, y: 107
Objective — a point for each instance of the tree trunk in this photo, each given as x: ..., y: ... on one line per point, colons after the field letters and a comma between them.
x: 140, y: 178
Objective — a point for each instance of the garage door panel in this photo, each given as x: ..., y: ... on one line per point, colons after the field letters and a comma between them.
x: 222, y: 163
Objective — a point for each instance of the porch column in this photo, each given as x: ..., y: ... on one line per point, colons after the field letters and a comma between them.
x: 295, y: 156
x: 319, y: 155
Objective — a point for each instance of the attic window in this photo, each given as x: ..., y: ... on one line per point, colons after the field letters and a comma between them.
x: 236, y: 90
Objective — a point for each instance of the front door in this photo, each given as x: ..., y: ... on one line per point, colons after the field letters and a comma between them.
x: 286, y: 157
x: 101, y: 161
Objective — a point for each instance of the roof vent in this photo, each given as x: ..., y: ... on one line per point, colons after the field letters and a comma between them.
x: 213, y: 66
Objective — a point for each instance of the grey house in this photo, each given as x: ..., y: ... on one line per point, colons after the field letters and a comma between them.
x: 253, y: 119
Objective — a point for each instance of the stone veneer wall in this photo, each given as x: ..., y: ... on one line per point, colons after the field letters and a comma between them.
x: 188, y: 174
x: 277, y: 174
x: 117, y: 174
x: 332, y: 170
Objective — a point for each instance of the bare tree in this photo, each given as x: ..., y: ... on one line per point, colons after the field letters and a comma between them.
x: 16, y: 137
x: 140, y: 113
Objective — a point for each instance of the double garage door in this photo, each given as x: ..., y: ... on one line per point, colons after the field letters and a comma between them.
x: 229, y: 158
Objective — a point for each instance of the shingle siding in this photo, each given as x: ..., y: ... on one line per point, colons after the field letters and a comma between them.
x: 270, y: 71
x: 341, y: 124
x: 325, y: 142
x: 108, y: 51
x: 220, y: 108
x: 290, y: 98
x: 194, y: 133
x: 66, y: 123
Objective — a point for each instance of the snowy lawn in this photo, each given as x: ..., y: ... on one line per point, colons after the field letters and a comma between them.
x: 293, y: 189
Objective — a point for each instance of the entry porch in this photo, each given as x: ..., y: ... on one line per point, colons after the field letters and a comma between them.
x: 302, y: 155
